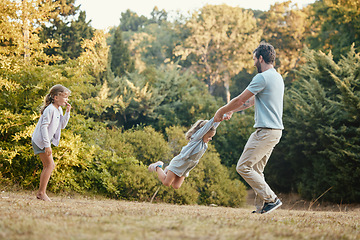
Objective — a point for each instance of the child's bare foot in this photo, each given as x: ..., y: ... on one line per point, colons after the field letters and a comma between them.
x: 43, y: 196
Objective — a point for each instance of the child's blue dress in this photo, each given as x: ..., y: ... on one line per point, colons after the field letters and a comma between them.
x: 190, y: 154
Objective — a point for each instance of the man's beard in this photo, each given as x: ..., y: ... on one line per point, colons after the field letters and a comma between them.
x: 258, y: 66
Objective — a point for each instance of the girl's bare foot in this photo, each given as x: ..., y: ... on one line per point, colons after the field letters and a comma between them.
x: 43, y: 196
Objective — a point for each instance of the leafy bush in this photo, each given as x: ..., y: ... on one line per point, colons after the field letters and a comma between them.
x: 216, y: 185
x: 148, y: 145
x: 116, y: 177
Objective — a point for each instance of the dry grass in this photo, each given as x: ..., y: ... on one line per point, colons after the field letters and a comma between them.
x: 79, y: 217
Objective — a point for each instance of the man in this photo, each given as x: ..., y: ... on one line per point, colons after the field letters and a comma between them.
x: 265, y: 91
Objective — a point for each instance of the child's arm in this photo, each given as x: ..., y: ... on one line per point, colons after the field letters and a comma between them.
x: 216, y: 124
x: 44, y: 127
x: 202, y: 131
x: 65, y: 119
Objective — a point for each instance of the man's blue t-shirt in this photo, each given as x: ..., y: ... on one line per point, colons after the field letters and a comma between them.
x: 268, y: 88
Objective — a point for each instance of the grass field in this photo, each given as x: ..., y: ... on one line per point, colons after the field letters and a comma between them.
x: 79, y: 217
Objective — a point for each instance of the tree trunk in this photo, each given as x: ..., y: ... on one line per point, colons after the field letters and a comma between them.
x: 211, y: 88
x: 25, y: 31
x: 226, y: 85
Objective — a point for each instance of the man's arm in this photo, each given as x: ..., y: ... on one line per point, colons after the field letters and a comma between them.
x: 241, y: 102
x: 249, y: 103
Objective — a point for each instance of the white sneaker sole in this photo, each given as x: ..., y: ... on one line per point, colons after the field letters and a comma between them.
x: 152, y: 167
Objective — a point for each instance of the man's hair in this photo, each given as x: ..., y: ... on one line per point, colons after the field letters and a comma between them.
x: 267, y: 51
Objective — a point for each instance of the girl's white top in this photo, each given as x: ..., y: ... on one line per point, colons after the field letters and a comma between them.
x: 48, y: 128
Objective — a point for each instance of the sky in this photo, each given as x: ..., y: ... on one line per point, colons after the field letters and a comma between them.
x: 106, y: 13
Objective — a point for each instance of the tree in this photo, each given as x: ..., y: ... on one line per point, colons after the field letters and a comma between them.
x: 19, y: 43
x: 221, y: 40
x: 94, y: 58
x: 152, y: 44
x: 174, y: 98
x: 78, y: 31
x: 121, y: 61
x: 68, y: 27
x: 158, y: 16
x: 130, y: 21
x: 286, y: 27
x: 336, y: 25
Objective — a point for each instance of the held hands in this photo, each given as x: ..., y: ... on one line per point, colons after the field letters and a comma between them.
x: 219, y: 116
x: 228, y: 115
x: 48, y: 151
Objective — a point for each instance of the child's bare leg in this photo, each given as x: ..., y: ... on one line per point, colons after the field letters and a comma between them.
x: 48, y: 167
x: 166, y: 179
x: 178, y: 182
x: 161, y: 174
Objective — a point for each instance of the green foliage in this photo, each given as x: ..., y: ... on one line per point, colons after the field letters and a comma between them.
x: 337, y: 26
x: 121, y: 62
x: 116, y: 177
x: 241, y: 81
x: 17, y: 160
x: 130, y: 21
x: 173, y: 98
x: 184, y: 99
x: 221, y: 40
x: 68, y: 28
x: 286, y: 27
x: 148, y: 145
x: 71, y: 158
x: 19, y: 28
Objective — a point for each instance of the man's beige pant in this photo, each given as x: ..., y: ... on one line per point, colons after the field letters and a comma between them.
x: 254, y: 158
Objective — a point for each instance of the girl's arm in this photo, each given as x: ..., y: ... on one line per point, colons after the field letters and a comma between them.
x: 64, y: 119
x: 202, y: 131
x: 44, y: 127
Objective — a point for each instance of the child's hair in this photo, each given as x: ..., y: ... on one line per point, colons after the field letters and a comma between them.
x: 194, y: 128
x: 54, y: 91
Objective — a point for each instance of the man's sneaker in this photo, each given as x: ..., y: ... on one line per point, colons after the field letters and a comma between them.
x: 269, y: 207
x: 152, y: 167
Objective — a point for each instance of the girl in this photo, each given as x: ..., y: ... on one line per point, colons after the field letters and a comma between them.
x: 48, y: 130
x: 180, y: 166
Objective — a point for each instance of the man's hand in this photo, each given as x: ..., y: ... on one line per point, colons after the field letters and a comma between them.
x: 219, y: 116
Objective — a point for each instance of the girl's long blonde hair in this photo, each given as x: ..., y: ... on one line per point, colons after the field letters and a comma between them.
x: 54, y: 91
x: 194, y: 128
